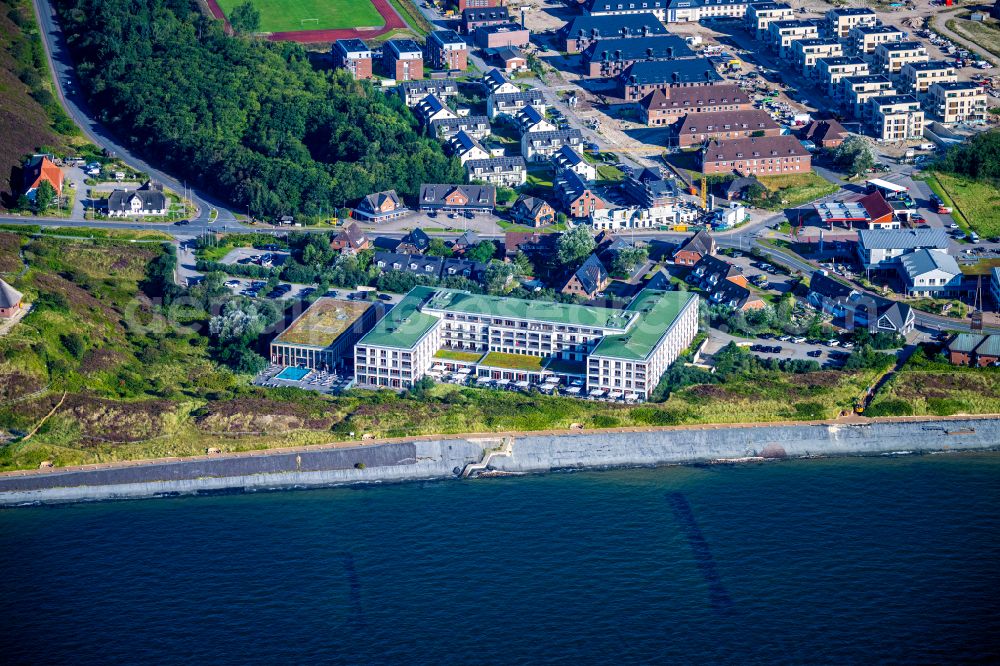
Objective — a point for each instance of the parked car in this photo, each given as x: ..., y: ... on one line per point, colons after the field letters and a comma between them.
x: 815, y: 353
x: 799, y: 340
x: 384, y: 297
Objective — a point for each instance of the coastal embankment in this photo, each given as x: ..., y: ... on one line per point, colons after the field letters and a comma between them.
x: 448, y: 457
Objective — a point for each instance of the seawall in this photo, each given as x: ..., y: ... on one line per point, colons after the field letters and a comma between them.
x: 443, y: 458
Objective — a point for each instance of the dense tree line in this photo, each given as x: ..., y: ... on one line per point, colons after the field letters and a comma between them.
x: 251, y: 120
x: 977, y: 158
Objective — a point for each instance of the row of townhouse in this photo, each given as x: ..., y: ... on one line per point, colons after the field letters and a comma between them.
x: 446, y: 329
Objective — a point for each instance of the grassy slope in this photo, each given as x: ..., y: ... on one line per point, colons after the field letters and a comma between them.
x: 287, y: 15
x: 978, y: 202
x: 797, y: 189
x: 986, y: 34
x: 24, y: 123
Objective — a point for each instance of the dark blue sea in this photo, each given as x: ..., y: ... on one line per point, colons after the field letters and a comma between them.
x: 805, y: 562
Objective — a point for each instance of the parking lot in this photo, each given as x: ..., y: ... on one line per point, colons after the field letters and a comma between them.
x: 828, y: 353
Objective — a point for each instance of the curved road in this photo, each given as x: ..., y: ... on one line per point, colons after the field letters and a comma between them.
x: 62, y: 68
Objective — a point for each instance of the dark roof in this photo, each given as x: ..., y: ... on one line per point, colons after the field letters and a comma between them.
x: 526, y: 95
x: 900, y: 46
x: 385, y: 243
x: 668, y: 72
x: 594, y: 6
x: 352, y: 235
x: 638, y: 48
x: 446, y: 37
x: 729, y: 293
x: 570, y: 133
x: 485, y: 14
x: 531, y: 204
x: 590, y: 27
x: 851, y: 11
x: 410, y: 263
x: 508, y: 53
x: 591, y: 274
x: 751, y: 119
x: 827, y: 287
x: 373, y: 202
x: 709, y: 266
x: 819, y: 131
x: 418, y: 239
x: 897, y: 313
x: 738, y: 185
x: 458, y: 123
x: 468, y: 239
x: 151, y: 199
x: 660, y: 280
x: 876, y: 205
x: 754, y: 147
x: 717, y: 93
x: 701, y: 242
x: 9, y: 297
x: 930, y: 65
x: 569, y: 184
x: 434, y: 194
x: 351, y: 45
x: 436, y: 86
x: 400, y: 46
x: 463, y: 267
x: 511, y: 162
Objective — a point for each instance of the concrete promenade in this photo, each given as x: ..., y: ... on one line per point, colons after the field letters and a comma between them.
x: 445, y: 457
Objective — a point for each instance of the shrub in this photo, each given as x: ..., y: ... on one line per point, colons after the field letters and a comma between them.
x: 604, y: 421
x: 890, y: 407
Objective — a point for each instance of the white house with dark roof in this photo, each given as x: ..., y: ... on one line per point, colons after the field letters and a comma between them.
x: 567, y: 159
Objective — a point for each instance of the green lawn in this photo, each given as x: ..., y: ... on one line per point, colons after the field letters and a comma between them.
x: 608, y: 173
x: 976, y: 201
x: 797, y: 189
x: 512, y: 361
x: 452, y: 355
x: 292, y: 15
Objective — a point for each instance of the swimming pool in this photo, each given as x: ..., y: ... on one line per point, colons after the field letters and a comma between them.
x: 293, y: 374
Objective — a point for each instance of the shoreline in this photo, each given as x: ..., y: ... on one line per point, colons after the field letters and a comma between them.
x: 457, y: 456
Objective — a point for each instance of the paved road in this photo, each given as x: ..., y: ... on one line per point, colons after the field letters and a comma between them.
x: 69, y: 94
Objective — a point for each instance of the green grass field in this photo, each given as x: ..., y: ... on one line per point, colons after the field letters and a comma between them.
x: 292, y: 15
x: 978, y: 202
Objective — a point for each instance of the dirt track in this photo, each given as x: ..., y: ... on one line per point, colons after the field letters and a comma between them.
x: 393, y: 21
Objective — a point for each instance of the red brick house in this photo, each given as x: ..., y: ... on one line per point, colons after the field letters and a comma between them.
x: 697, y: 128
x: 354, y: 56
x: 588, y: 280
x: 761, y: 156
x: 575, y: 196
x: 532, y: 211
x: 668, y: 105
x: 403, y: 59
x: 691, y: 251
x: 350, y: 239
x: 825, y: 133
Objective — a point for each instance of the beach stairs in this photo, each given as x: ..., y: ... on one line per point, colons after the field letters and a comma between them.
x: 502, y: 447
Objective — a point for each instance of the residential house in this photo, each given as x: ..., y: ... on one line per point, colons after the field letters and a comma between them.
x: 957, y: 102
x: 855, y: 308
x: 607, y: 58
x: 974, y: 350
x: 736, y: 188
x: 467, y: 148
x: 403, y: 59
x: 668, y: 105
x: 499, y: 171
x: 415, y: 242
x: 697, y: 128
x: 431, y: 108
x: 40, y: 168
x: 805, y: 52
x: 863, y: 39
x: 350, y: 239
x: 508, y: 104
x: 458, y: 267
x: 581, y: 31
x: 532, y: 211
x: 759, y: 16
x: 589, y: 280
x: 447, y: 50
x: 475, y: 17
x: 855, y: 91
x: 568, y: 159
x: 354, y: 56
x: 478, y: 127
x: 917, y: 77
x: 497, y: 83
x: 622, y: 7
x: 830, y: 295
x: 530, y: 119
x: 880, y: 249
x: 467, y: 240
x: 501, y: 35
x: 930, y: 273
x: 736, y: 295
x: 460, y: 198
x: 380, y: 207
x: 412, y: 92
x: 10, y: 301
x: 890, y: 57
x: 831, y: 71
x: 896, y: 117
x: 781, y: 34
x: 648, y: 188
x: 531, y: 243
x: 416, y: 264
x: 538, y: 146
x: 575, y: 195
x: 767, y: 155
x: 893, y: 317
x: 841, y: 20
x: 511, y: 58
x: 643, y: 77
x: 692, y: 11
x: 147, y: 200
x: 694, y: 249
x: 824, y: 133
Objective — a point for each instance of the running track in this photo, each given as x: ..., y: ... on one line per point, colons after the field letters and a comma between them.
x: 393, y: 21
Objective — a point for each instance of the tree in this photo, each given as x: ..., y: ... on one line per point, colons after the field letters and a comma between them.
x: 482, y: 252
x: 574, y: 246
x: 755, y: 192
x: 245, y: 18
x: 854, y: 155
x: 522, y: 265
x: 627, y: 259
x: 498, y: 277
x: 437, y: 248
x: 45, y: 196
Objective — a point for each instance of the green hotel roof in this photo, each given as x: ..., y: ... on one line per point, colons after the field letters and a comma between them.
x: 452, y: 300
x: 658, y: 311
x: 405, y: 324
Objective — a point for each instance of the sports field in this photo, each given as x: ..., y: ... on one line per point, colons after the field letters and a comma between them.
x: 295, y: 15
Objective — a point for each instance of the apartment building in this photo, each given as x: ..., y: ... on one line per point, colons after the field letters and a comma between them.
x: 896, y: 117
x: 354, y: 56
x: 581, y: 31
x: 864, y: 38
x: 831, y: 71
x: 840, y: 21
x: 618, y: 350
x: 641, y: 78
x: 538, y: 146
x: 404, y: 61
x: 500, y: 171
x: 805, y: 52
x: 478, y: 127
x: 668, y: 105
x: 759, y: 16
x: 890, y: 57
x: 497, y: 83
x: 575, y: 196
x: 567, y: 159
x: 609, y: 57
x: 855, y: 91
x: 413, y: 92
x: 501, y: 35
x: 917, y: 77
x: 697, y: 128
x: 475, y: 17
x: 447, y: 50
x: 767, y: 156
x: 957, y: 102
x: 648, y: 188
x: 881, y: 249
x: 623, y: 7
x: 781, y: 34
x: 508, y: 104
x: 685, y: 11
